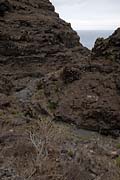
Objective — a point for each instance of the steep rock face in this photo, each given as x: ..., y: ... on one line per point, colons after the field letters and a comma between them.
x: 87, y: 95
x: 47, y: 71
x: 34, y: 41
x: 30, y: 31
x: 108, y: 48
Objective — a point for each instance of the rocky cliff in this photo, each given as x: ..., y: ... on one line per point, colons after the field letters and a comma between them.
x: 108, y: 48
x: 43, y: 64
x: 87, y: 94
x: 34, y: 41
x: 45, y: 73
x: 30, y: 31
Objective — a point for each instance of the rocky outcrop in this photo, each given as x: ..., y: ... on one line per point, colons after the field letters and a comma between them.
x: 30, y: 31
x: 87, y: 95
x: 4, y: 7
x: 108, y: 48
x: 88, y: 98
x: 34, y: 41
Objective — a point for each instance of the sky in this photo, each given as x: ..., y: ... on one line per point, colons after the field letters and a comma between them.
x: 89, y: 14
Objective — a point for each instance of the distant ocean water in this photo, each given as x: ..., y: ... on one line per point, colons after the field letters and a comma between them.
x: 88, y: 37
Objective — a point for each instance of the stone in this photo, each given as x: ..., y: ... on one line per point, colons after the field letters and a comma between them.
x: 70, y: 74
x: 4, y: 6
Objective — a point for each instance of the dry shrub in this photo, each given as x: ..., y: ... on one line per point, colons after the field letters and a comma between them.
x: 46, y: 140
x: 61, y: 158
x: 50, y: 163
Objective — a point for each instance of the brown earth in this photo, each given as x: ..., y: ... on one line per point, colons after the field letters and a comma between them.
x: 46, y: 74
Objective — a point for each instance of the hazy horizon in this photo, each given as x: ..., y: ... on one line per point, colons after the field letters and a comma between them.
x: 94, y: 29
x: 88, y: 37
x: 89, y: 14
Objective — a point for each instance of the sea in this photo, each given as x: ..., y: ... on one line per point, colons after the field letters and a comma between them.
x: 88, y: 37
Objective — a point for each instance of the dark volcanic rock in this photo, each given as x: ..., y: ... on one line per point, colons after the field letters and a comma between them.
x: 32, y: 32
x: 88, y: 95
x: 46, y: 74
x: 37, y: 46
x: 4, y: 7
x: 34, y: 41
x: 89, y: 100
x: 108, y: 48
x: 70, y: 74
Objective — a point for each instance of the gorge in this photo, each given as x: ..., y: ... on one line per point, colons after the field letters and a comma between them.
x: 46, y: 73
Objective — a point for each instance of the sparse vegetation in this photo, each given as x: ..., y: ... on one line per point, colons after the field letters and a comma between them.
x: 118, y: 161
x: 49, y: 163
x: 70, y: 153
x: 52, y: 105
x: 45, y: 144
x: 1, y: 113
x: 59, y: 158
x: 118, y: 146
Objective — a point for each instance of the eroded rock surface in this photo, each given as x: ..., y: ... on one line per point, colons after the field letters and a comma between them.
x: 108, y: 48
x: 45, y: 73
x: 37, y: 46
